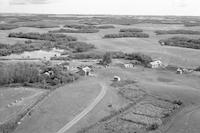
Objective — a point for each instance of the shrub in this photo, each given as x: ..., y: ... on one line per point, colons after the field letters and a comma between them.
x: 131, y: 30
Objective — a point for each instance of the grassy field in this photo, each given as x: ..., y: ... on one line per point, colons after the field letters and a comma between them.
x: 66, y: 102
x: 14, y: 100
x: 60, y: 107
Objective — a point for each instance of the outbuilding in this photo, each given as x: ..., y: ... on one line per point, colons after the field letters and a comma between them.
x: 116, y: 78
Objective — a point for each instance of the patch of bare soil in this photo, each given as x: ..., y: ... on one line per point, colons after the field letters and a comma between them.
x: 144, y: 113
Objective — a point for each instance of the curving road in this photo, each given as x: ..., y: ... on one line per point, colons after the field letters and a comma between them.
x: 85, y: 111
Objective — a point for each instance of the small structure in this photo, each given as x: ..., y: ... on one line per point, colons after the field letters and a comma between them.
x: 84, y: 70
x: 179, y: 71
x: 155, y: 64
x: 116, y: 78
x: 128, y: 65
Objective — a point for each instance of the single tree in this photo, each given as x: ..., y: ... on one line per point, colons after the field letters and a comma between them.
x: 107, y: 59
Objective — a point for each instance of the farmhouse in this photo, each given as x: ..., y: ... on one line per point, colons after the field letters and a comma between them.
x: 84, y: 70
x: 155, y: 64
x: 179, y: 71
x: 128, y: 65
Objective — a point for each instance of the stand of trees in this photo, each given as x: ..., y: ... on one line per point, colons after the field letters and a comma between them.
x: 181, y: 42
x: 131, y: 30
x: 75, y: 31
x: 44, y: 36
x: 127, y: 34
x: 32, y: 74
x: 162, y: 32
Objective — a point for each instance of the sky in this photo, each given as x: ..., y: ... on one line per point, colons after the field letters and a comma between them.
x: 115, y: 7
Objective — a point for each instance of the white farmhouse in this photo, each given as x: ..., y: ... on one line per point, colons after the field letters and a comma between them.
x: 155, y: 64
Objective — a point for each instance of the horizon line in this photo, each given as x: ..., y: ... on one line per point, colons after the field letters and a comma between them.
x: 85, y: 14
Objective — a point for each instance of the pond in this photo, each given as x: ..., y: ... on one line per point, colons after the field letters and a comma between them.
x: 35, y: 55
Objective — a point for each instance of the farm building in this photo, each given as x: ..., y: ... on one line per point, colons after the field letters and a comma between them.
x: 128, y: 65
x: 84, y: 70
x: 155, y: 64
x: 116, y: 78
x: 179, y: 71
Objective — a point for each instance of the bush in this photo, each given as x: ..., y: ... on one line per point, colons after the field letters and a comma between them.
x: 181, y: 42
x: 44, y: 36
x: 161, y: 32
x: 75, y: 31
x: 127, y: 34
x: 131, y: 30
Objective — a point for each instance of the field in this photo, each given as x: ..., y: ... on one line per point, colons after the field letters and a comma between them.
x: 155, y: 100
x: 15, y: 101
